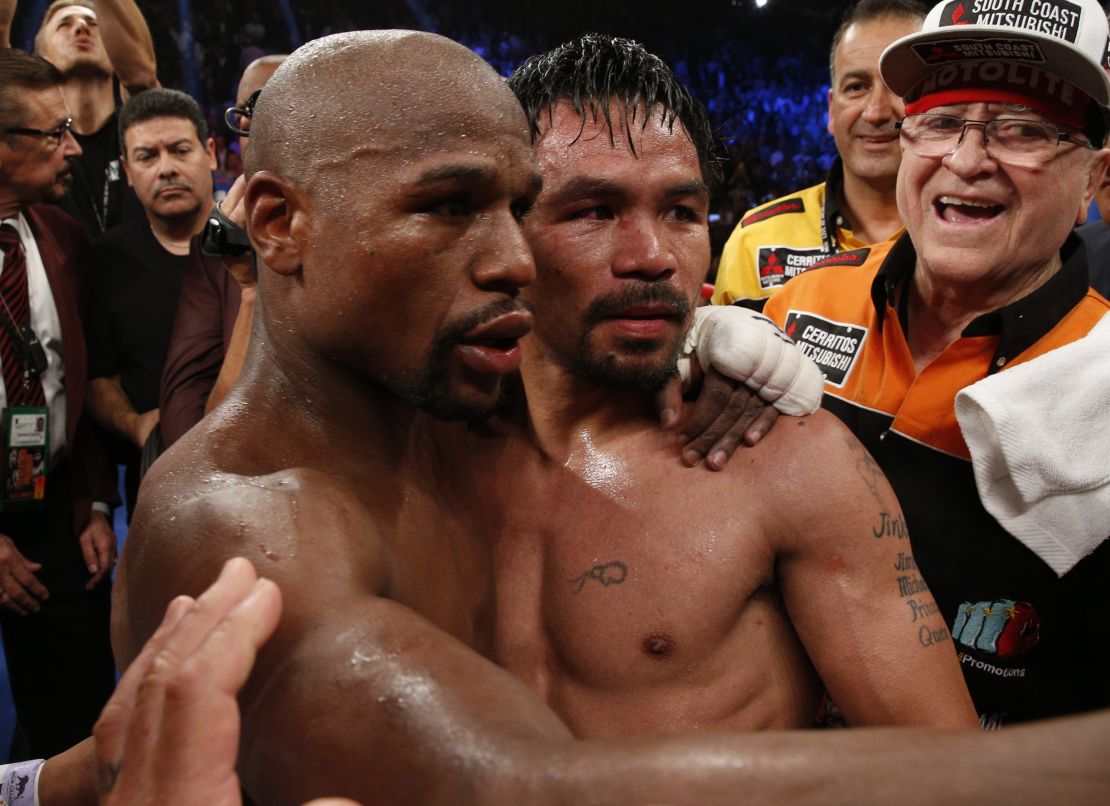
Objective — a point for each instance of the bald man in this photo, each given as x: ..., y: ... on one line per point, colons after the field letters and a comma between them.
x: 405, y: 584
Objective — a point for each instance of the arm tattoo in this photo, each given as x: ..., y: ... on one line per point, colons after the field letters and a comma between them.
x: 106, y: 778
x: 891, y: 522
x: 611, y: 573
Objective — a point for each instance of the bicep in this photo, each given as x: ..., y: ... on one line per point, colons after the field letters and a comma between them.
x: 371, y: 698
x: 861, y: 607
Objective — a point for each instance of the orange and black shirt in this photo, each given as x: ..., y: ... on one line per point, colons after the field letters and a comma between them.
x: 1031, y: 645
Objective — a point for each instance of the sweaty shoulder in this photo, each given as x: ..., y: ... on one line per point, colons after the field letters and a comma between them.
x: 301, y: 527
x: 804, y: 464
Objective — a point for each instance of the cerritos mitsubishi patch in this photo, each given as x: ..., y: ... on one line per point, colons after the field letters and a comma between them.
x: 834, y: 346
x: 777, y: 264
x: 1058, y: 18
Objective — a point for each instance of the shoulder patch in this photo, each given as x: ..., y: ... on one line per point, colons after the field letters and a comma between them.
x: 833, y: 346
x: 795, y: 205
x: 777, y: 264
x: 853, y: 257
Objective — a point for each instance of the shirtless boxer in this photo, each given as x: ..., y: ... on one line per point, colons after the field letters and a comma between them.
x: 396, y: 203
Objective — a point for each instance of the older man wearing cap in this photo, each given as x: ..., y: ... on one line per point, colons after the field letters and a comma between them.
x: 1006, y: 118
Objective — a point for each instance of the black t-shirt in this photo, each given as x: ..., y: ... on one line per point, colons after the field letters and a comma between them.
x: 135, y: 287
x: 100, y: 197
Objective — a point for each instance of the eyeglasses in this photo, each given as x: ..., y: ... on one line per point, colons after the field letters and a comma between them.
x: 1023, y: 143
x: 46, y: 134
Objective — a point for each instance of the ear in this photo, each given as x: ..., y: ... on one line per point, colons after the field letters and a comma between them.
x: 829, y: 114
x: 1100, y: 160
x: 126, y: 169
x: 211, y: 147
x: 277, y: 221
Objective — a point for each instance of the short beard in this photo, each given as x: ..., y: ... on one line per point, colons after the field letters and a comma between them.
x: 608, y: 370
x: 430, y: 390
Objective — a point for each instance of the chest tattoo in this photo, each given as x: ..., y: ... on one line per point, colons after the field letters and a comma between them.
x: 605, y: 574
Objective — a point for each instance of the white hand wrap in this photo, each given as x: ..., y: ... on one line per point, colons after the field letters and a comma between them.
x: 19, y: 783
x: 748, y: 347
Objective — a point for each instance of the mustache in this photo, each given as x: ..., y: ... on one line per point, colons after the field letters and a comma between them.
x: 171, y: 183
x: 634, y: 295
x: 453, y: 333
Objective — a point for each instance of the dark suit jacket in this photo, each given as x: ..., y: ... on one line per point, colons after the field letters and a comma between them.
x: 64, y: 248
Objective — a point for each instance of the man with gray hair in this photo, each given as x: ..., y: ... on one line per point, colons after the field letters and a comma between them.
x: 56, y: 546
x: 1002, y: 151
x: 93, y: 44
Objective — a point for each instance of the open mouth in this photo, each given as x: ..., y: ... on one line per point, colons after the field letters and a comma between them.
x: 493, y: 347
x: 958, y: 210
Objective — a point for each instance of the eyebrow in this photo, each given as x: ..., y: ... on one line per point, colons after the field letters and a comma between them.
x: 468, y: 173
x: 855, y: 74
x: 581, y: 187
x: 154, y: 146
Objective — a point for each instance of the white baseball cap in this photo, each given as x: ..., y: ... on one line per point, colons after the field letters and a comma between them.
x: 1022, y: 43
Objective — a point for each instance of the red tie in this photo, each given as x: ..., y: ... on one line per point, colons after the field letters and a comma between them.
x: 15, y: 310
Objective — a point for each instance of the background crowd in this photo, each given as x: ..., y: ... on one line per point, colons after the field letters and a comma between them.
x: 762, y: 72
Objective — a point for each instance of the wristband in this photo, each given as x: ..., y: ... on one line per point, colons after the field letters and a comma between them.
x: 19, y: 782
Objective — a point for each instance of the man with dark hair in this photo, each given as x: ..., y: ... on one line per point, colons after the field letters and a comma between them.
x: 855, y: 206
x: 474, y: 598
x: 215, y: 307
x: 56, y: 546
x: 169, y: 158
x: 92, y: 45
x: 1002, y: 151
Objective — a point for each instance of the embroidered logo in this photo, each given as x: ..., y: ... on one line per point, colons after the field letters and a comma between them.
x: 834, y: 346
x: 777, y: 264
x: 853, y: 257
x: 779, y: 208
x: 1056, y: 18
x: 1003, y: 629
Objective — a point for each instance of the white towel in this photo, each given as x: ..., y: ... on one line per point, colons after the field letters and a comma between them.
x: 1039, y: 436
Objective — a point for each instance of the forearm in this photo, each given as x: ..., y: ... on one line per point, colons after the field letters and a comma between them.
x: 128, y: 44
x: 236, y: 350
x: 1062, y: 761
x: 69, y: 778
x: 111, y: 409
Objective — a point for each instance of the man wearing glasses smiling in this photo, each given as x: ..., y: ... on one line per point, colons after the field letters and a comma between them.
x: 56, y: 546
x: 1006, y: 116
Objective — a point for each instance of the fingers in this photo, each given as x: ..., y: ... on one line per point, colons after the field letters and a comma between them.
x: 98, y: 547
x: 761, y: 425
x: 89, y: 552
x: 110, y: 730
x: 714, y: 427
x: 668, y: 403
x: 20, y: 590
x: 177, y: 703
x: 232, y: 205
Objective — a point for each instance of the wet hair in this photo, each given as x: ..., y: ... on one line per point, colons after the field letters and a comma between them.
x: 596, y: 71
x: 160, y: 103
x: 868, y: 10
x: 53, y: 9
x: 21, y: 72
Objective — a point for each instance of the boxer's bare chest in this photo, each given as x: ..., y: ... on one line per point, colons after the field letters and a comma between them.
x: 637, y: 597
